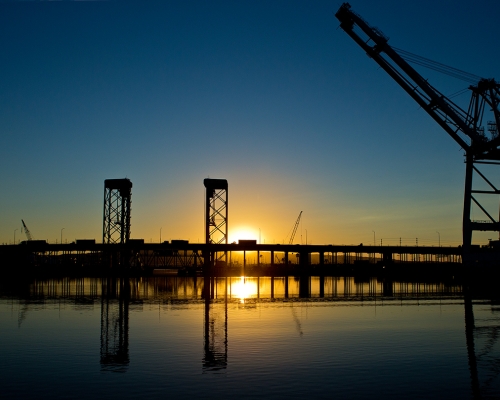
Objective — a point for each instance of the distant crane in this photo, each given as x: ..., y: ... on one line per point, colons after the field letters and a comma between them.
x: 295, y: 229
x: 26, y: 231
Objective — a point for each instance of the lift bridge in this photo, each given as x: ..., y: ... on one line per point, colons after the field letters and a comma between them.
x: 119, y: 252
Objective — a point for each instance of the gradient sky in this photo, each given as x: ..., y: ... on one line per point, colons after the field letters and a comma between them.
x: 270, y: 95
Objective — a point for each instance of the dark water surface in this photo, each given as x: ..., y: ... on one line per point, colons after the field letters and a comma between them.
x: 255, y: 338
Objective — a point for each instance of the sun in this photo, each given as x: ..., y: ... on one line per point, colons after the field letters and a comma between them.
x: 243, y: 232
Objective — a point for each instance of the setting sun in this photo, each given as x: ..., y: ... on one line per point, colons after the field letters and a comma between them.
x: 243, y: 232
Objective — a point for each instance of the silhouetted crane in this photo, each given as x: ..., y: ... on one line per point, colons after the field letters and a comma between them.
x: 465, y: 127
x: 27, y: 231
x: 295, y: 229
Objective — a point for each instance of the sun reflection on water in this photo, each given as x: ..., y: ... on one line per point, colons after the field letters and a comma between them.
x: 244, y: 288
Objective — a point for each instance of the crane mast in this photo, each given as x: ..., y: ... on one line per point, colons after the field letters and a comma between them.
x: 465, y: 127
x: 295, y: 228
x: 27, y: 231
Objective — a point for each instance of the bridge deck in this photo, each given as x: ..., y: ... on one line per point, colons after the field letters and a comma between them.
x: 41, y: 246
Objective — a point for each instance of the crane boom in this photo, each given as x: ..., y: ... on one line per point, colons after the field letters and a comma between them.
x: 295, y: 228
x: 465, y: 127
x: 462, y: 126
x: 27, y: 231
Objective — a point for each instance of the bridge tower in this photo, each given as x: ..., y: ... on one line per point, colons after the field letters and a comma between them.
x: 216, y: 216
x: 116, y: 216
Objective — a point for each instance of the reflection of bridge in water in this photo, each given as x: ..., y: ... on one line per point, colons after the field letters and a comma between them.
x: 172, y: 289
x: 117, y: 297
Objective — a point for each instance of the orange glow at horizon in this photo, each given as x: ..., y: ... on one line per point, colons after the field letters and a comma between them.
x: 243, y: 232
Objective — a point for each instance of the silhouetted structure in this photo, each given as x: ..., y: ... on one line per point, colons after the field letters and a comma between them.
x: 114, y: 325
x: 86, y: 256
x: 116, y: 216
x: 465, y: 127
x: 216, y: 215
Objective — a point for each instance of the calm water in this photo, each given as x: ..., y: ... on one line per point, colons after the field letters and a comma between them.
x: 256, y: 338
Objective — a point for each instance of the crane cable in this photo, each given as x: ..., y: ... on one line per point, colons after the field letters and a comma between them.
x: 437, y: 66
x: 465, y: 90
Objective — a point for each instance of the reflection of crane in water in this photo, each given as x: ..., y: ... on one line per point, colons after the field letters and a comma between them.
x: 485, y: 361
x: 298, y: 324
x: 486, y: 339
x: 22, y: 314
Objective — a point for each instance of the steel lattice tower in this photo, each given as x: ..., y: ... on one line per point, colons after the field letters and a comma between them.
x: 116, y: 220
x: 216, y: 214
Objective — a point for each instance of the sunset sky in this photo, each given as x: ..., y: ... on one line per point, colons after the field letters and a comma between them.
x: 270, y: 95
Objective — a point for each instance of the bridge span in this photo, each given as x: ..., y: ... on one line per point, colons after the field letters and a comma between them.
x: 185, y: 256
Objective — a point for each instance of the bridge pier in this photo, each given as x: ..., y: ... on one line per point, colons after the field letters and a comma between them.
x: 387, y: 289
x: 305, y: 286
x: 207, y: 272
x: 387, y: 259
x: 347, y: 258
x: 303, y: 260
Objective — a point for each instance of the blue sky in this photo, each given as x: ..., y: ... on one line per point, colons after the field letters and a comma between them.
x: 270, y: 95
